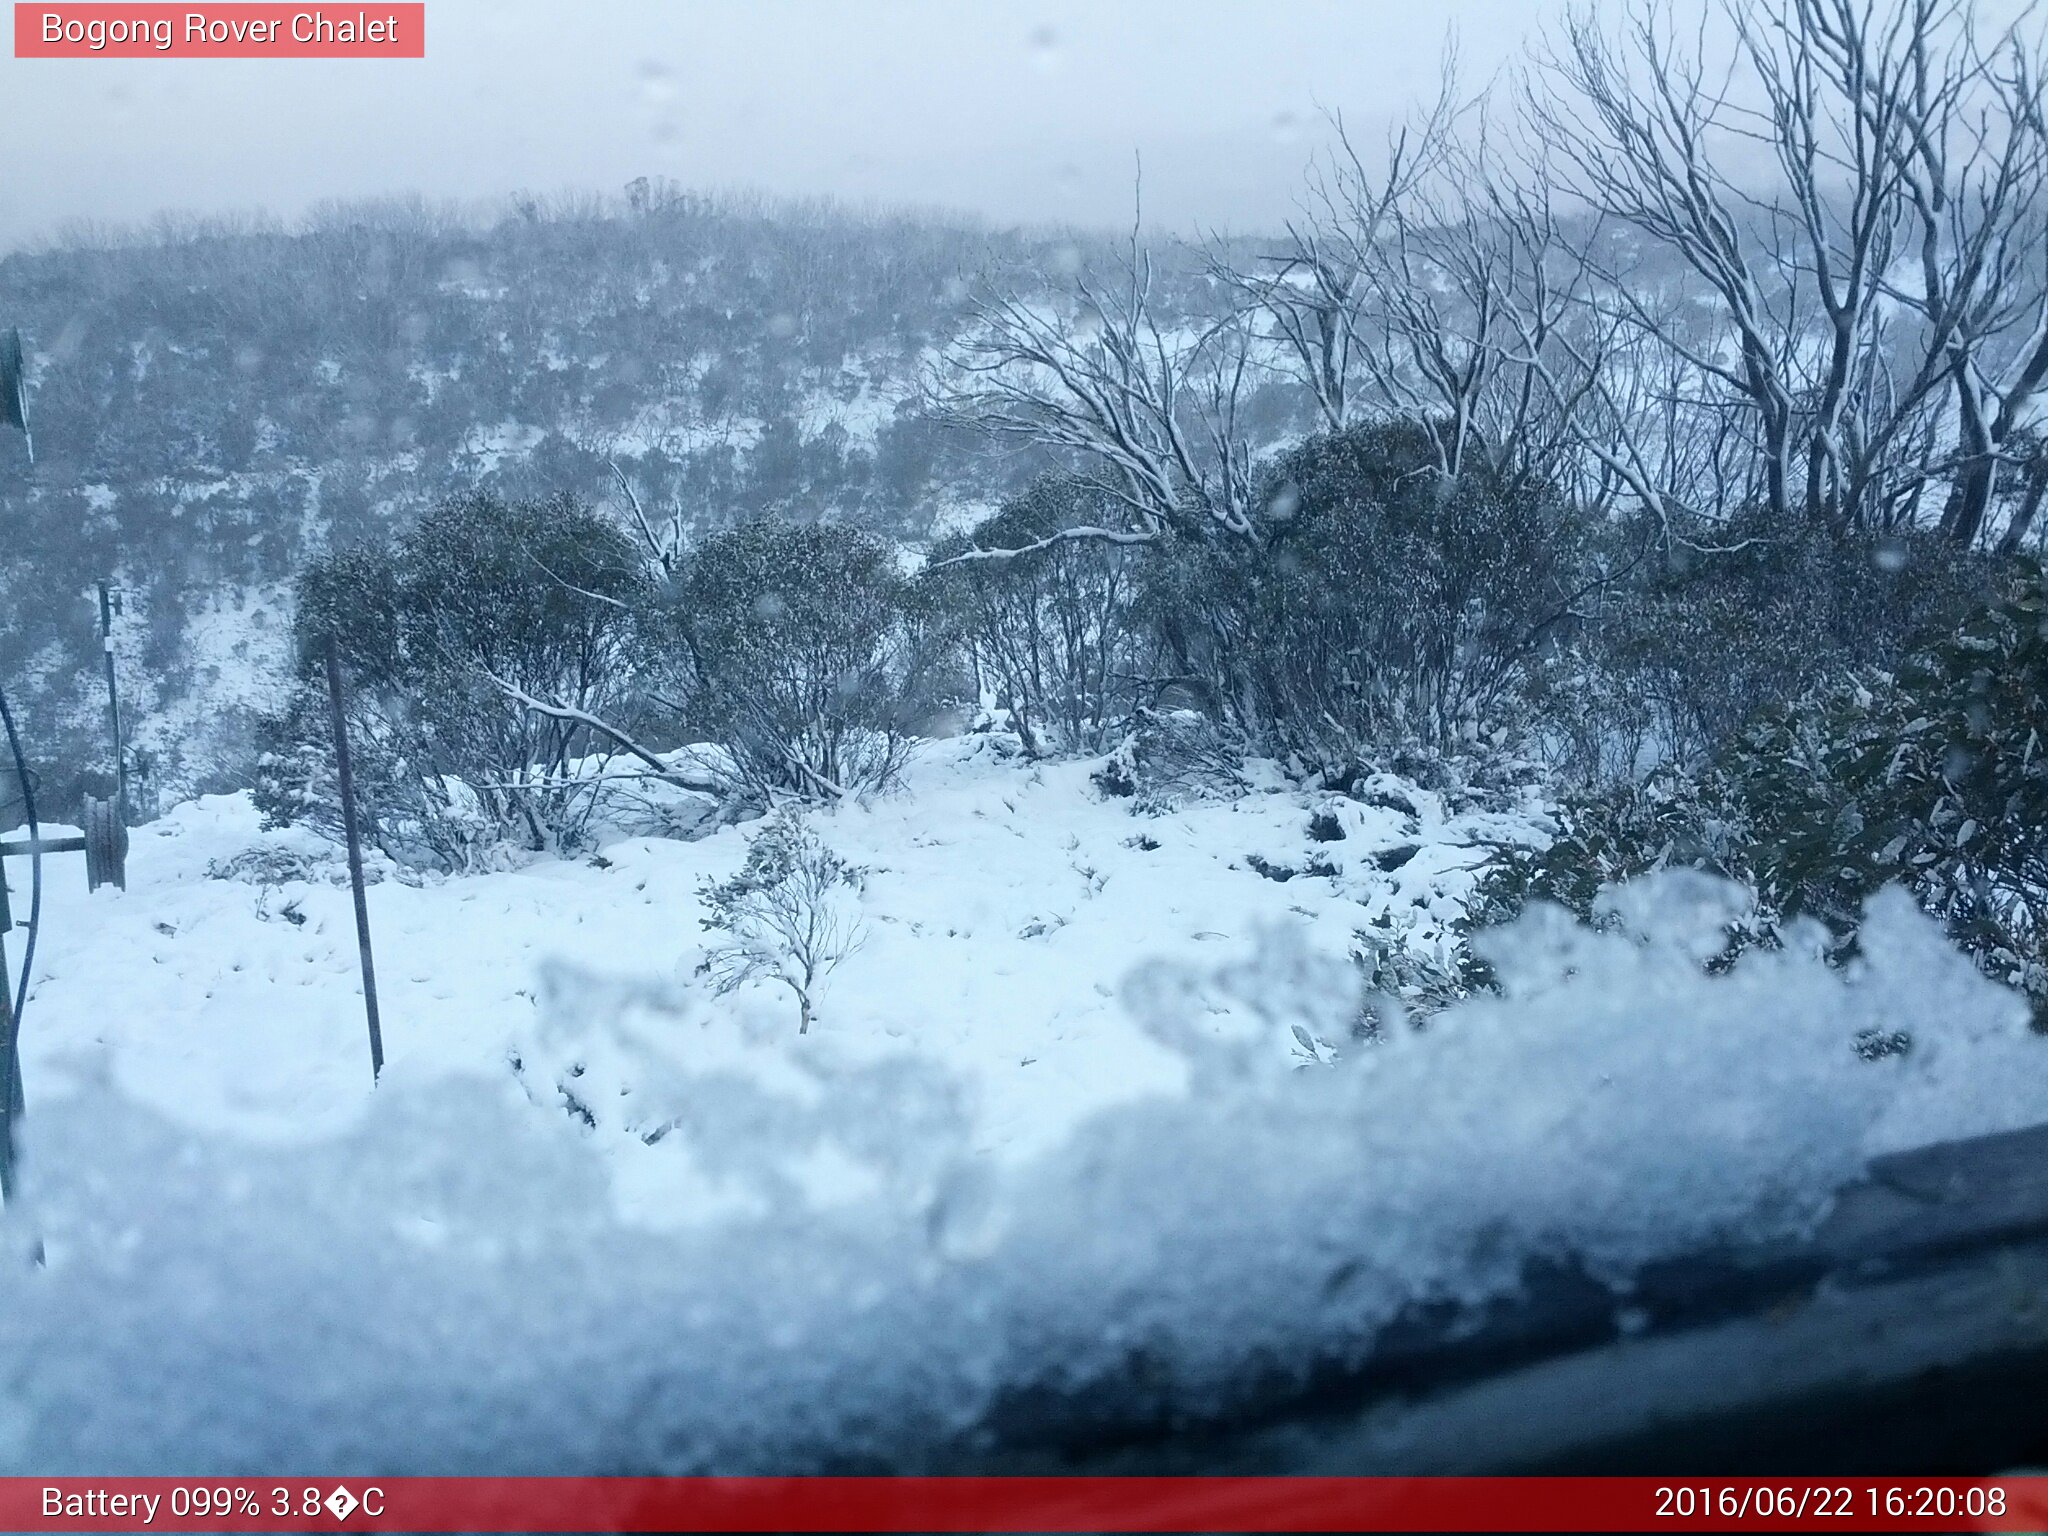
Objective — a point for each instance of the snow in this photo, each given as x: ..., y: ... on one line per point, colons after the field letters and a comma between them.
x: 1004, y: 903
x: 490, y: 446
x: 857, y: 401
x: 239, y: 645
x: 1057, y: 1115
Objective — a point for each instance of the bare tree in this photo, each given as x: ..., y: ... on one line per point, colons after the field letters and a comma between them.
x: 1148, y: 409
x: 662, y: 536
x: 1451, y: 293
x: 1310, y: 297
x: 1635, y: 124
x: 1793, y: 259
x: 1793, y: 179
x: 1973, y: 164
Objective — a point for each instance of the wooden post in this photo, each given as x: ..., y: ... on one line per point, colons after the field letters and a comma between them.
x: 355, y: 855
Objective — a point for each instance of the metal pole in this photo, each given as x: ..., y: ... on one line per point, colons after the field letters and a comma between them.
x: 14, y: 999
x: 355, y: 855
x: 11, y: 1105
x: 114, y: 710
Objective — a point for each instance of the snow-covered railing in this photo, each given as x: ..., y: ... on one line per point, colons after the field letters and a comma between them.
x: 1908, y: 1334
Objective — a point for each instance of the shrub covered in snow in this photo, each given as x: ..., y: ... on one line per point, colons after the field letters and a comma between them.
x: 1934, y: 777
x: 788, y: 916
x: 265, y: 865
x: 443, y: 636
x: 1703, y: 625
x: 1384, y: 607
x: 795, y: 654
x: 1172, y: 755
x: 1051, y: 634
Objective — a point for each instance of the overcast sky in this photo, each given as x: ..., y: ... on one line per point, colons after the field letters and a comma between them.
x: 1027, y: 112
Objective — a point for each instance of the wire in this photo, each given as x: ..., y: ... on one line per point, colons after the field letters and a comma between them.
x: 35, y: 862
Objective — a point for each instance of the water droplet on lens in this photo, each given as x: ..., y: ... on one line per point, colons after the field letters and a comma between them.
x: 656, y: 84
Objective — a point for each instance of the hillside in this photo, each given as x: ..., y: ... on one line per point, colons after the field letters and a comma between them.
x: 215, y: 401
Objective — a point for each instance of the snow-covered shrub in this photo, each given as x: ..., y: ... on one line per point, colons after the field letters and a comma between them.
x: 793, y: 651
x: 1169, y: 756
x: 1049, y: 633
x: 789, y: 916
x: 1704, y: 625
x: 270, y: 866
x: 1934, y: 777
x: 440, y: 634
x: 1408, y: 980
x: 1385, y: 607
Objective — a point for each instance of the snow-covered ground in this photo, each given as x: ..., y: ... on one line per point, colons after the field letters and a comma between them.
x: 1004, y: 904
x: 1057, y: 1118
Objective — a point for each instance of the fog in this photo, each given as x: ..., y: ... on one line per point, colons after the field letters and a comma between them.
x: 1019, y: 112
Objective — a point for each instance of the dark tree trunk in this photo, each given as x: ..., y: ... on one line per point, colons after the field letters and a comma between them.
x: 2023, y: 516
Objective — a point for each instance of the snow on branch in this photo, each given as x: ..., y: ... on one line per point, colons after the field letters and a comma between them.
x: 703, y: 783
x: 1064, y: 536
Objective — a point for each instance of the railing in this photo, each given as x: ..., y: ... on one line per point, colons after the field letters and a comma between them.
x: 1907, y: 1335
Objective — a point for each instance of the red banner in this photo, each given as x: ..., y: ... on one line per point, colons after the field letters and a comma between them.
x: 1025, y: 1504
x: 374, y: 30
